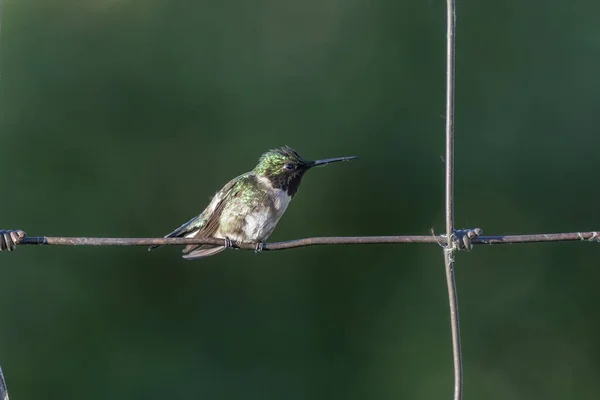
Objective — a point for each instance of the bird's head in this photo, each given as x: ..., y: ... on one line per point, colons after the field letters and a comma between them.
x: 284, y: 168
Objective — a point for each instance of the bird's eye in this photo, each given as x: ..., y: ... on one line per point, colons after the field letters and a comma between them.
x: 289, y: 166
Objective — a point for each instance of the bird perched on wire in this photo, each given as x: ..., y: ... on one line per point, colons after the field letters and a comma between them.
x: 247, y: 208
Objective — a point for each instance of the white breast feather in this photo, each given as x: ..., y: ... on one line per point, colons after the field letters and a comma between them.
x: 259, y: 226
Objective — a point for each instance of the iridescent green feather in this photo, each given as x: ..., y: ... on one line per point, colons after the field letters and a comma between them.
x: 272, y: 161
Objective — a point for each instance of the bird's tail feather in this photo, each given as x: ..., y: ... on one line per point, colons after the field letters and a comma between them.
x: 204, y: 251
x: 183, y: 230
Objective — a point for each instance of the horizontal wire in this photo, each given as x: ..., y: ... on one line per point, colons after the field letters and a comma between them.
x: 314, y: 241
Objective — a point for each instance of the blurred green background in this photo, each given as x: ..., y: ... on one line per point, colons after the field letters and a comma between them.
x: 122, y: 118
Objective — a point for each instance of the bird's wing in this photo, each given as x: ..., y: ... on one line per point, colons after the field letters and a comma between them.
x: 213, y: 219
x: 207, y: 223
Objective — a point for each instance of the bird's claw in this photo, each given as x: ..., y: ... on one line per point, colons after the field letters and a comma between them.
x: 259, y: 247
x: 228, y: 243
x: 9, y: 239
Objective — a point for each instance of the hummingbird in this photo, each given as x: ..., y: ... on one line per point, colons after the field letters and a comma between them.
x: 247, y: 208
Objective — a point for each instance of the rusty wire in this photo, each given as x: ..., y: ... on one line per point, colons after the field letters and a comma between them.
x: 462, y: 240
x: 450, y: 248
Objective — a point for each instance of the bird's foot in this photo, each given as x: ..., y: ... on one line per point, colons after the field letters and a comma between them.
x: 259, y: 247
x: 228, y: 243
x: 10, y: 239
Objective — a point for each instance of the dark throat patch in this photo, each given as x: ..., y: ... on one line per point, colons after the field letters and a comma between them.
x: 288, y: 183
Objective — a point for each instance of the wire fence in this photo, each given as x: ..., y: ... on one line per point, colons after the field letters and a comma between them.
x: 463, y: 239
x: 453, y: 240
x: 450, y: 247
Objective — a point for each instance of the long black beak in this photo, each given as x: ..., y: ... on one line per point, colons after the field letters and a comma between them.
x: 329, y: 161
